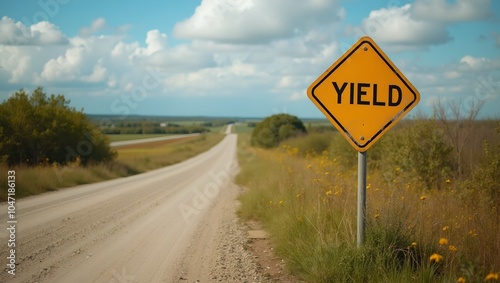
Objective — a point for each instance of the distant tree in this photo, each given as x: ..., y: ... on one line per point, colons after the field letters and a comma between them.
x: 274, y: 129
x: 37, y: 128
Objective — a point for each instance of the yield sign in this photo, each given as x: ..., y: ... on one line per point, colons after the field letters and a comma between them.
x: 363, y: 94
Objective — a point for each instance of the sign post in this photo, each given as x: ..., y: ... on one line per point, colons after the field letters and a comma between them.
x: 363, y: 94
x: 361, y: 198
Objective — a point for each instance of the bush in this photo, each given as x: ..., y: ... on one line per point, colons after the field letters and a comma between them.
x: 275, y: 129
x: 37, y: 129
x: 486, y: 177
x: 419, y: 150
x: 312, y: 143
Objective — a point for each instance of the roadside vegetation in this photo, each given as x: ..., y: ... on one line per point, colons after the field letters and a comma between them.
x: 275, y: 129
x: 40, y: 129
x: 51, y: 145
x: 130, y: 160
x: 429, y: 219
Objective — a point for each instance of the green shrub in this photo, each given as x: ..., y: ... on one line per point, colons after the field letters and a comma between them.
x: 487, y: 175
x: 36, y: 129
x: 342, y: 151
x: 417, y: 151
x: 312, y: 143
x: 275, y: 129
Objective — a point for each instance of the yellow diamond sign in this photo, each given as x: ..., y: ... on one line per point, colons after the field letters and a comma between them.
x: 363, y: 94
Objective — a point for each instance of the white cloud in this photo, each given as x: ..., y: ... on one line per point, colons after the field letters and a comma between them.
x: 15, y: 62
x: 469, y: 79
x: 471, y: 63
x: 155, y: 41
x: 255, y: 21
x: 65, y: 67
x: 421, y: 23
x: 182, y: 58
x: 96, y: 26
x: 216, y: 81
x: 99, y: 74
x: 123, y: 50
x: 86, y: 59
x: 444, y: 11
x: 41, y: 33
x: 396, y: 26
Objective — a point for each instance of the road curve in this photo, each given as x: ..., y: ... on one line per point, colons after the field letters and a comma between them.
x: 134, y: 229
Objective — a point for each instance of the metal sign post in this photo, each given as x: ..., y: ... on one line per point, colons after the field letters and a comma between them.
x: 361, y: 197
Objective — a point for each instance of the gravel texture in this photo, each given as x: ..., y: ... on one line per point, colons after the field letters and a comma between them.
x: 219, y: 251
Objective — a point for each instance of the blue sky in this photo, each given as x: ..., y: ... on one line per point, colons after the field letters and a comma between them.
x: 240, y: 57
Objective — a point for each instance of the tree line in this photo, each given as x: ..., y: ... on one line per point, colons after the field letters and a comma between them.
x: 154, y: 128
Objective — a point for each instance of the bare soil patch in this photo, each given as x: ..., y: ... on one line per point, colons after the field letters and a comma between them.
x: 269, y: 264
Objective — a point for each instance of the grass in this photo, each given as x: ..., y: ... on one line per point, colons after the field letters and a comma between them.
x: 307, y: 202
x: 144, y: 159
x: 37, y: 180
x: 243, y: 128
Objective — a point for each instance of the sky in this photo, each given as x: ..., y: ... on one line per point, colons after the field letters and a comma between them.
x: 243, y: 58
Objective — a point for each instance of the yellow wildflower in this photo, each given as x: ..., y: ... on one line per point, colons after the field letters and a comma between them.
x: 329, y: 193
x: 281, y: 202
x: 446, y: 228
x: 461, y: 280
x: 377, y: 215
x: 472, y: 233
x: 492, y: 276
x: 452, y: 248
x: 423, y: 197
x: 369, y: 186
x: 414, y: 244
x: 436, y: 257
x: 443, y: 241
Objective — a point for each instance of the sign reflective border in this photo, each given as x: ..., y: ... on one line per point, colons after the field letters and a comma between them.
x: 363, y: 94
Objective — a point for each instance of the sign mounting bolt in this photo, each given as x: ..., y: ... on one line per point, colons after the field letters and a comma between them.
x: 362, y: 138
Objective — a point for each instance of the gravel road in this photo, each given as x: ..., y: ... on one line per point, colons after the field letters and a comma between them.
x: 175, y: 224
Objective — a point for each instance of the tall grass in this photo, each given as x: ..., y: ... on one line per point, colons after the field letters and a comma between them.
x: 307, y: 201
